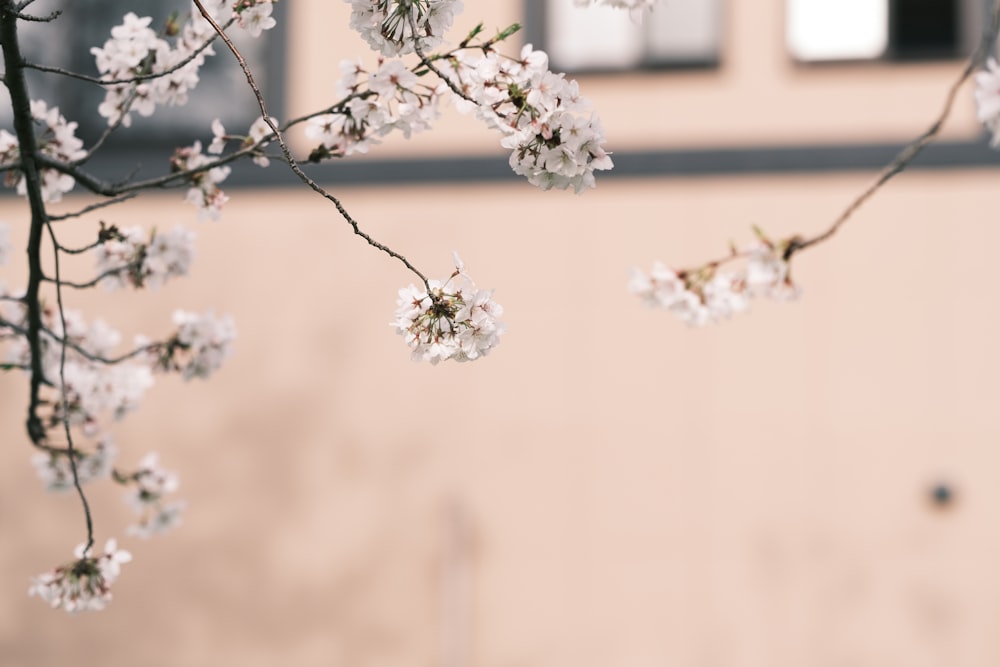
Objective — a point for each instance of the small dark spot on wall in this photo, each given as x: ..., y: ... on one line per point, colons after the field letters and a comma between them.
x: 942, y: 496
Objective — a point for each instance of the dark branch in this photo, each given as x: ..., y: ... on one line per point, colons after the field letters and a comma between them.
x: 292, y: 164
x: 914, y: 148
x: 90, y: 283
x: 138, y: 78
x: 92, y: 207
x: 28, y: 148
x: 39, y: 19
x: 65, y: 398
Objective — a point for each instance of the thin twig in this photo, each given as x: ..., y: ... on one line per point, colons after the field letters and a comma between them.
x: 28, y: 159
x: 90, y: 283
x: 82, y: 351
x: 65, y: 397
x: 21, y: 107
x: 292, y: 164
x: 102, y: 187
x: 914, y: 148
x: 93, y: 207
x: 48, y: 18
x: 138, y: 78
x: 82, y: 249
x: 424, y: 60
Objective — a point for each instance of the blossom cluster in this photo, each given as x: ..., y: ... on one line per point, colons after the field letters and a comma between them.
x: 988, y: 99
x: 388, y: 25
x: 149, y: 484
x: 391, y: 98
x: 449, y: 320
x: 257, y: 138
x: 707, y: 295
x: 555, y: 138
x: 143, y: 70
x: 57, y: 140
x: 254, y: 16
x: 129, y: 259
x: 55, y: 470
x: 84, y: 584
x: 84, y: 385
x: 204, y: 191
x: 199, y: 346
x: 88, y: 384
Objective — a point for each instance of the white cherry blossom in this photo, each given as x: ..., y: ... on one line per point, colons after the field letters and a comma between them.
x: 130, y: 260
x: 254, y: 16
x: 85, y: 583
x: 554, y: 138
x: 387, y: 25
x: 199, y: 346
x: 988, y: 99
x: 149, y: 485
x: 204, y: 192
x: 53, y: 467
x: 56, y: 140
x: 707, y: 295
x: 390, y: 99
x: 452, y: 320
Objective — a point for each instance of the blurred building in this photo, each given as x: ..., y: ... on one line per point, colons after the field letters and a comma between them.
x: 812, y: 483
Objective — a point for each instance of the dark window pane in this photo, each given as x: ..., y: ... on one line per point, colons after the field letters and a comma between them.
x: 924, y: 28
x: 221, y: 93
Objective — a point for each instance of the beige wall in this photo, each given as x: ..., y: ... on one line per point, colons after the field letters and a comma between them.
x: 632, y: 491
x: 609, y: 487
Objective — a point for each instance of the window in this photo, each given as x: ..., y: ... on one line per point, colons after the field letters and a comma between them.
x: 820, y: 30
x: 676, y: 33
x: 66, y: 43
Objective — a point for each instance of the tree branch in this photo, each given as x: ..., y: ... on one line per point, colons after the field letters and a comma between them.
x: 914, y: 148
x: 28, y: 148
x: 292, y: 164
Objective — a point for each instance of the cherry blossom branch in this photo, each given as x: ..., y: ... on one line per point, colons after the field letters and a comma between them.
x: 92, y: 207
x: 21, y: 106
x: 108, y: 131
x: 82, y: 351
x: 899, y: 163
x: 180, y: 177
x: 94, y: 281
x: 426, y: 62
x: 784, y: 250
x: 65, y: 397
x: 173, y: 179
x: 138, y: 78
x: 286, y: 152
x: 914, y: 148
x: 336, y: 107
x: 704, y: 294
x: 39, y: 19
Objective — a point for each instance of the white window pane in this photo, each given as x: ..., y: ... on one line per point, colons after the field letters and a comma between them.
x: 683, y: 30
x: 598, y: 37
x: 837, y: 29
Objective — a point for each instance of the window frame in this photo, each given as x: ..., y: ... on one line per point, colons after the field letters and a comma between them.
x: 972, y: 15
x: 537, y: 22
x: 161, y: 131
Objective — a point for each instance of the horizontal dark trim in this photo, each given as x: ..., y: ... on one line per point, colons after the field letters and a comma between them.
x: 639, y: 164
x: 689, y: 163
